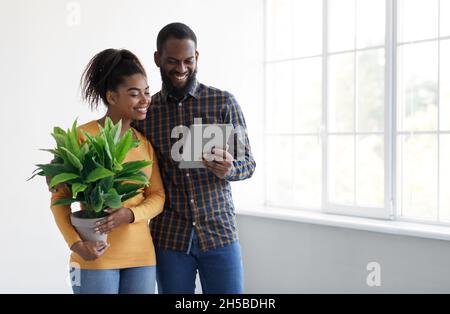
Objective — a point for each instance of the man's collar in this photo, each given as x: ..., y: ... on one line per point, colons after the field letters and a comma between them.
x: 194, y: 91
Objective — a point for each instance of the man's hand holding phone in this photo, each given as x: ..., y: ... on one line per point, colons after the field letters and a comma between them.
x: 220, y: 162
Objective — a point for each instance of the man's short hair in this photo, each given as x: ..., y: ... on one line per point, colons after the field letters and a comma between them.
x: 175, y: 30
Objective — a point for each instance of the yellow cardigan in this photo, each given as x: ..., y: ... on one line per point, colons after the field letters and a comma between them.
x: 131, y: 245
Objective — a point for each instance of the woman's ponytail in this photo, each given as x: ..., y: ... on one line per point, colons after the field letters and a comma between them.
x: 105, y: 71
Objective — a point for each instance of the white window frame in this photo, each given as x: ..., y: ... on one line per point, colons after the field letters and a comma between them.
x: 397, y: 211
x: 387, y: 211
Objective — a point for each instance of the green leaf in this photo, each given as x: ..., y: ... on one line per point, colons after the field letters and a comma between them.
x: 81, y: 197
x: 117, y: 167
x: 125, y: 188
x: 41, y: 173
x: 72, y: 142
x: 116, y: 132
x: 77, y: 188
x: 60, y: 140
x: 112, y: 199
x: 124, y: 146
x: 129, y: 195
x: 64, y: 201
x: 96, y: 200
x: 100, y: 127
x: 87, y: 196
x: 100, y: 154
x: 133, y: 178
x: 63, y: 177
x: 36, y: 169
x: 96, y: 146
x: 98, y: 174
x: 106, y: 183
x: 52, y: 170
x: 111, y: 146
x: 53, y: 151
x: 103, y: 143
x: 108, y: 125
x: 84, y: 148
x: 88, y: 136
x: 112, y: 133
x: 58, y: 130
x: 133, y: 166
x: 89, y: 165
x: 56, y: 153
x: 73, y: 159
x: 107, y: 148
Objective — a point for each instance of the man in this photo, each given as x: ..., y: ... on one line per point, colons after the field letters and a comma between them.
x: 197, y: 229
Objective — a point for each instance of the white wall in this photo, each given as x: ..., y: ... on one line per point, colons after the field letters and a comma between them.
x: 41, y: 61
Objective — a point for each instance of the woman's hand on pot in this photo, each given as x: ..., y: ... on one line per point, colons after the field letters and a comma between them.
x: 90, y: 250
x: 116, y: 218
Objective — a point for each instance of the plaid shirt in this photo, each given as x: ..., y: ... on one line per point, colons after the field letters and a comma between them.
x: 195, y: 198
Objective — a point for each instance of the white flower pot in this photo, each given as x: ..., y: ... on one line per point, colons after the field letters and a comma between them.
x: 85, y: 227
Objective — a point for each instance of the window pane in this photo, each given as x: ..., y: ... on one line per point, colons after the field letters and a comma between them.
x: 417, y: 87
x: 444, y: 177
x: 341, y: 93
x: 418, y: 175
x: 418, y: 19
x: 370, y: 171
x: 280, y: 29
x: 279, y: 170
x: 445, y: 20
x: 341, y: 169
x: 307, y: 27
x: 370, y: 27
x: 444, y: 86
x: 279, y: 97
x: 308, y: 95
x: 308, y: 171
x: 341, y: 25
x: 371, y: 90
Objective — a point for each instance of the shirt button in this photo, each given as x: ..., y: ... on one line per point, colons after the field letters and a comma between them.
x: 180, y: 104
x: 187, y: 175
x: 194, y: 223
x: 192, y: 201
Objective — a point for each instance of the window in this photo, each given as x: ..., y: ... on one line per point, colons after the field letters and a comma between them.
x: 423, y: 103
x: 294, y: 115
x: 358, y: 107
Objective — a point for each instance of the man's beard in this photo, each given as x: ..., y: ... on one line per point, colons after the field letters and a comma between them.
x: 178, y: 92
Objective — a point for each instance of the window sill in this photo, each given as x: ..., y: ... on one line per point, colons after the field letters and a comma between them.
x: 357, y: 223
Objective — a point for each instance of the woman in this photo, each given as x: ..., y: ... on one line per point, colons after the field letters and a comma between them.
x: 126, y: 264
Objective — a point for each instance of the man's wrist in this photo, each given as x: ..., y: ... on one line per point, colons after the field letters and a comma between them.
x: 230, y: 173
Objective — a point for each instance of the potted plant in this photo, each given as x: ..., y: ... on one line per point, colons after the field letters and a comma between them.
x: 95, y: 173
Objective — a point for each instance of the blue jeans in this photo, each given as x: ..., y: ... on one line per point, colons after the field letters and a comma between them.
x: 135, y: 280
x: 220, y: 270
